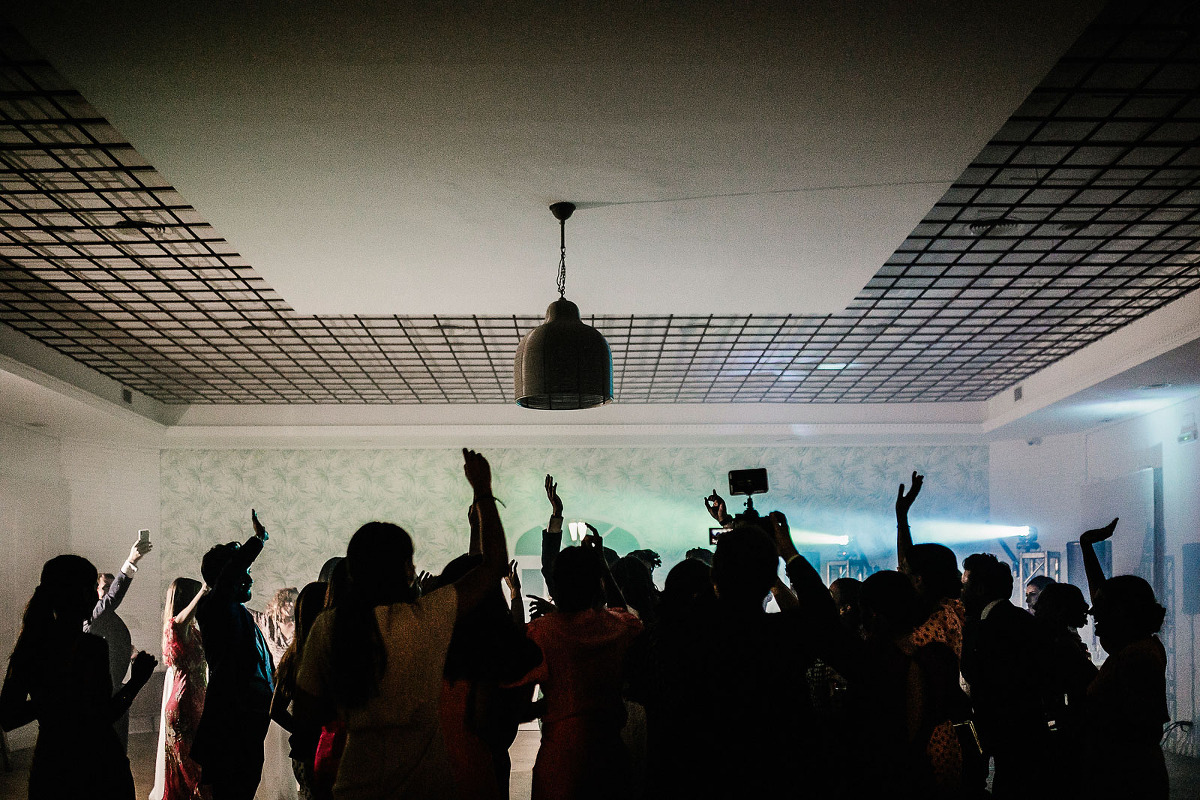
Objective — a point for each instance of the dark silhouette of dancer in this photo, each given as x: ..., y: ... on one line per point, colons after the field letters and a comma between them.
x: 229, y: 740
x: 58, y: 675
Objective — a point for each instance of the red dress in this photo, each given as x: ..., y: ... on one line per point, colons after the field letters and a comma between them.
x: 185, y: 653
x: 582, y: 755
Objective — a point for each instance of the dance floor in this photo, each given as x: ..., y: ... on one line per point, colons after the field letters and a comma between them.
x: 141, y: 757
x: 1185, y: 773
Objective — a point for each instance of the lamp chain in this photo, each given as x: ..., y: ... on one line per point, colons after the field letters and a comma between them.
x: 562, y: 259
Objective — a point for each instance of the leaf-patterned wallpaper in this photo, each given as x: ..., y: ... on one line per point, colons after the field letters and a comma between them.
x: 312, y: 501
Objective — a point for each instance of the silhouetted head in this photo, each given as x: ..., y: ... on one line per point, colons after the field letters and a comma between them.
x: 651, y: 559
x: 339, y: 582
x: 934, y: 572
x: 282, y: 611
x: 326, y: 574
x: 214, y: 563
x: 985, y: 579
x: 63, y: 600
x: 379, y: 562
x: 378, y: 572
x: 847, y: 597
x: 890, y: 605
x: 309, y: 605
x: 701, y: 554
x: 633, y: 576
x: 180, y: 593
x: 1034, y: 588
x: 745, y: 566
x: 68, y: 587
x: 1061, y: 605
x: 578, y: 581
x: 1126, y: 610
x: 688, y: 584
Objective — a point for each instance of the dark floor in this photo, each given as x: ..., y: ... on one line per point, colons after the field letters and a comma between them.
x: 1185, y: 772
x: 141, y: 758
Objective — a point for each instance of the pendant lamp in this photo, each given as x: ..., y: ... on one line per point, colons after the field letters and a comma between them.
x: 563, y: 363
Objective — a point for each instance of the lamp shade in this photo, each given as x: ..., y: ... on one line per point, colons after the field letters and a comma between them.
x: 563, y: 363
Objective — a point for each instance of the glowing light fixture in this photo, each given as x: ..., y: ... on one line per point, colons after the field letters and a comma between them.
x: 579, y: 529
x: 832, y: 366
x: 563, y: 363
x: 950, y: 533
x: 817, y: 538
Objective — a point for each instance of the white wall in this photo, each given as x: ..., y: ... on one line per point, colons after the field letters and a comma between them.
x: 1043, y: 485
x: 35, y: 505
x: 114, y: 492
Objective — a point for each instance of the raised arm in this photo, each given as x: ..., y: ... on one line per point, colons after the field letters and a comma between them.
x: 904, y: 502
x: 811, y: 595
x: 513, y: 581
x: 717, y: 510
x: 120, y: 585
x: 1091, y: 564
x: 187, y: 612
x: 229, y: 582
x: 785, y: 598
x: 552, y: 535
x: 477, y: 584
x: 613, y: 596
x: 475, y: 548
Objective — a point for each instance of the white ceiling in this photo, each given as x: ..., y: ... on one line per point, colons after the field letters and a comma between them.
x: 385, y: 159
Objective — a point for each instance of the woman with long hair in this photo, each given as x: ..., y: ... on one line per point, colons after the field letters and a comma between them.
x: 177, y: 777
x: 58, y: 675
x: 377, y: 659
x: 278, y: 625
x: 309, y: 604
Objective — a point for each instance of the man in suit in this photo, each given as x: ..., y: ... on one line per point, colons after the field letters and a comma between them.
x: 229, y: 738
x: 1005, y: 663
x: 104, y: 622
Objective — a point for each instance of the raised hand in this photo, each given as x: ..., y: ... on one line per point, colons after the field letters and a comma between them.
x: 138, y: 550
x: 716, y: 507
x: 592, y: 541
x: 904, y: 501
x: 1099, y: 534
x: 478, y: 471
x: 259, y: 530
x: 513, y: 581
x: 425, y: 582
x: 556, y: 506
x: 539, y: 606
x: 782, y: 535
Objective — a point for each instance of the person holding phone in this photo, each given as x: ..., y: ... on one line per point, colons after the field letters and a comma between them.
x: 104, y: 622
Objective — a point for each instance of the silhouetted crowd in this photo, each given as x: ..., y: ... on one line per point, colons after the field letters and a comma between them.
x: 925, y: 681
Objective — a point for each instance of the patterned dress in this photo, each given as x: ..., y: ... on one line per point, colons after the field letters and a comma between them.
x: 944, y: 626
x: 185, y: 656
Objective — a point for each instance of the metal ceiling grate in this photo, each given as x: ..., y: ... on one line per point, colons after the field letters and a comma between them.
x: 1080, y: 216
